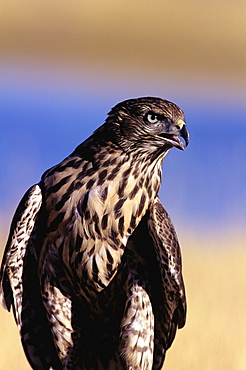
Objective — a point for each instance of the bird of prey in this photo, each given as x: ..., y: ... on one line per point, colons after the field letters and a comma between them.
x: 92, y: 265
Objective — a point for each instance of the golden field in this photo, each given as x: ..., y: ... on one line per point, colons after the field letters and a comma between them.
x: 214, y: 337
x: 171, y: 38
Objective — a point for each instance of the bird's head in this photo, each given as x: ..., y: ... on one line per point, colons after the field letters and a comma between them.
x: 149, y: 123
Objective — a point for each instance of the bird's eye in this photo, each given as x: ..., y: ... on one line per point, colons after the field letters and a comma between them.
x: 152, y: 118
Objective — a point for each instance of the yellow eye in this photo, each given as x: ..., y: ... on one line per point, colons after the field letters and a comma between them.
x: 152, y: 118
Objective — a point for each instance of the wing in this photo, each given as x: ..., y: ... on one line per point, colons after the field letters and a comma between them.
x: 170, y: 266
x: 169, y: 258
x: 11, y: 284
x: 19, y: 284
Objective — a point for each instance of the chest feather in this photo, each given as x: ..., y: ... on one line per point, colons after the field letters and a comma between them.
x: 92, y: 216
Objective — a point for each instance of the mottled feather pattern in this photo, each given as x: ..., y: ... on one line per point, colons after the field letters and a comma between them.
x: 22, y: 226
x: 92, y: 266
x: 99, y: 216
x: 137, y: 325
x: 169, y: 258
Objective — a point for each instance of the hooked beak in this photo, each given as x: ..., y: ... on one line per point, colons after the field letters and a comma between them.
x: 184, y: 133
x: 174, y: 136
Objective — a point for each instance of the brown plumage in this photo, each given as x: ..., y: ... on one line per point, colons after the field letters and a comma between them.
x: 92, y: 266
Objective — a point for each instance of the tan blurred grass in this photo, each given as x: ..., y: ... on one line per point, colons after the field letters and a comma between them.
x: 214, y: 337
x: 190, y: 37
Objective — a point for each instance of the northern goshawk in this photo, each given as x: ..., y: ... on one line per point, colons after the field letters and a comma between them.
x: 92, y: 266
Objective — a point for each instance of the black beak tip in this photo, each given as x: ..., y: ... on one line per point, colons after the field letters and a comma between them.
x: 185, y: 135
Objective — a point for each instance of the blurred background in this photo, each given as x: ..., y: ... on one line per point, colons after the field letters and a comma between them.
x: 64, y: 64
